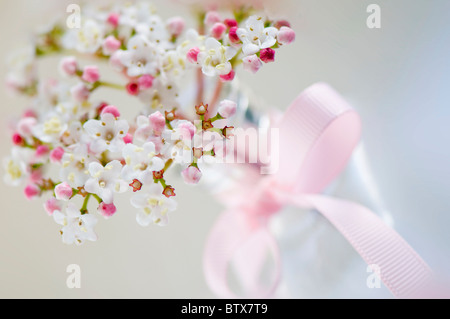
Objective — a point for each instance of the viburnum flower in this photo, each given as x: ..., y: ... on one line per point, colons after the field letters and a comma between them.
x: 72, y: 144
x: 87, y: 39
x: 252, y: 63
x: 105, y: 180
x: 191, y: 175
x: 255, y: 36
x: 141, y: 162
x: 51, y: 129
x: 153, y: 206
x: 22, y: 69
x: 149, y: 126
x: 68, y: 66
x: 107, y: 210
x: 77, y: 228
x: 107, y: 133
x: 141, y: 56
x: 179, y: 142
x: 75, y: 164
x: 227, y: 108
x: 215, y: 58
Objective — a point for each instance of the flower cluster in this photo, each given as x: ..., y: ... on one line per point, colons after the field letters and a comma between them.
x: 70, y: 147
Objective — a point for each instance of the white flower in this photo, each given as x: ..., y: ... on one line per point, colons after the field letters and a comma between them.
x: 215, y: 58
x: 141, y: 57
x: 51, y: 130
x: 87, y: 39
x: 192, y: 39
x: 16, y: 166
x: 108, y: 133
x: 132, y: 15
x: 162, y: 95
x: 22, y: 68
x: 75, y: 134
x: 77, y: 228
x: 154, y: 207
x: 75, y: 165
x: 141, y: 162
x: 179, y: 142
x: 173, y: 65
x: 255, y: 36
x: 105, y: 181
x: 154, y: 29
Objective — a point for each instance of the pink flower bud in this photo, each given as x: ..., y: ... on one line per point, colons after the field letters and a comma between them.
x: 63, y: 191
x: 267, y: 55
x: 18, y: 140
x: 286, y: 35
x: 212, y: 17
x: 192, y: 55
x: 32, y: 191
x: 227, y: 108
x: 128, y: 139
x: 252, y: 63
x: 25, y: 126
x: 51, y: 206
x: 228, y: 77
x: 115, y: 61
x: 91, y: 74
x: 107, y: 210
x: 191, y: 175
x: 231, y: 23
x: 42, y: 150
x: 80, y: 92
x: 133, y: 88
x: 113, y: 19
x: 157, y: 141
x: 175, y: 25
x: 218, y: 30
x: 56, y: 155
x: 187, y: 130
x: 36, y: 176
x: 111, y: 45
x: 158, y: 122
x: 69, y: 66
x: 29, y: 113
x: 111, y: 109
x: 233, y: 36
x: 145, y: 82
x: 282, y: 23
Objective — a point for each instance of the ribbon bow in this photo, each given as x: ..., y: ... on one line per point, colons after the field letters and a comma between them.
x: 317, y: 136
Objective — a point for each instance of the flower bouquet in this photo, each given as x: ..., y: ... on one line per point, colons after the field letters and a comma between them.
x: 80, y: 153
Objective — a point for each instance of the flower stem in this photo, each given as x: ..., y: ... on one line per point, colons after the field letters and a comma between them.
x: 99, y: 200
x: 111, y: 85
x: 216, y: 97
x: 200, y: 86
x: 168, y: 164
x: 83, y: 209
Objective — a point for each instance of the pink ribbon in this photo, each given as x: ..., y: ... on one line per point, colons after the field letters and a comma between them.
x: 318, y: 134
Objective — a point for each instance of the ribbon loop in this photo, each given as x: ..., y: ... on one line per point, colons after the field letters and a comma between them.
x: 317, y: 136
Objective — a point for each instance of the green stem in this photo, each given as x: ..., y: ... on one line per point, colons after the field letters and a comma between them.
x: 83, y: 209
x: 168, y: 164
x: 99, y: 200
x: 216, y: 118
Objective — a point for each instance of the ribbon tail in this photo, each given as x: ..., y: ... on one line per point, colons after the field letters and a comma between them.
x: 402, y: 270
x: 234, y: 240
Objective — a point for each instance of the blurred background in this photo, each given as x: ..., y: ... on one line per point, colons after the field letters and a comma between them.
x: 397, y: 77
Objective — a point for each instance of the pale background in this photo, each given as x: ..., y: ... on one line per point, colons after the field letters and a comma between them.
x: 396, y: 77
